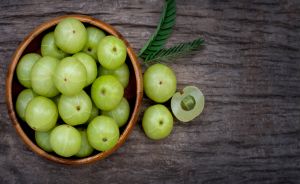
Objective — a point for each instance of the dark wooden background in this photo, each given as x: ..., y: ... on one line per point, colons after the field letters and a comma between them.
x: 249, y: 71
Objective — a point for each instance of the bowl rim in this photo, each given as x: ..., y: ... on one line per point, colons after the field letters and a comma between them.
x: 9, y: 79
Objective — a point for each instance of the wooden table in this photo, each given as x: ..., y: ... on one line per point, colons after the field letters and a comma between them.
x: 249, y: 71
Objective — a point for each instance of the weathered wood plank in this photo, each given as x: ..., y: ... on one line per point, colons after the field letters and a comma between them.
x: 250, y: 129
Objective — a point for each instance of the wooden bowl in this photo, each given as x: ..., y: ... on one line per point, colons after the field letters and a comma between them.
x: 31, y: 43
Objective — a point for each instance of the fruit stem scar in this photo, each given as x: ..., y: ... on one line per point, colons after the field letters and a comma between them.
x: 114, y: 49
x: 161, y: 122
x: 78, y: 108
x: 188, y: 103
x: 73, y: 31
x: 104, y: 139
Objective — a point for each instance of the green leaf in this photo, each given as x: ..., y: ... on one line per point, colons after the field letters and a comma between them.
x: 163, y: 30
x: 175, y: 51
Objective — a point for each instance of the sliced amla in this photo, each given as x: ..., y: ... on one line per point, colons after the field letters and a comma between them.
x: 188, y: 104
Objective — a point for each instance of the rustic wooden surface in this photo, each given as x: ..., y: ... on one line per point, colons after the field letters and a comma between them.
x: 249, y: 71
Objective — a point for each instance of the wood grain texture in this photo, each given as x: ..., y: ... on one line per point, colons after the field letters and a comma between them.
x: 249, y: 71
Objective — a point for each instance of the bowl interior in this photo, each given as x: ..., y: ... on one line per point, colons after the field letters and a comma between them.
x: 132, y: 92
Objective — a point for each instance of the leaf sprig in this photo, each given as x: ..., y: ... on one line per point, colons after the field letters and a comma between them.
x: 163, y: 30
x: 175, y: 51
x: 153, y: 50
